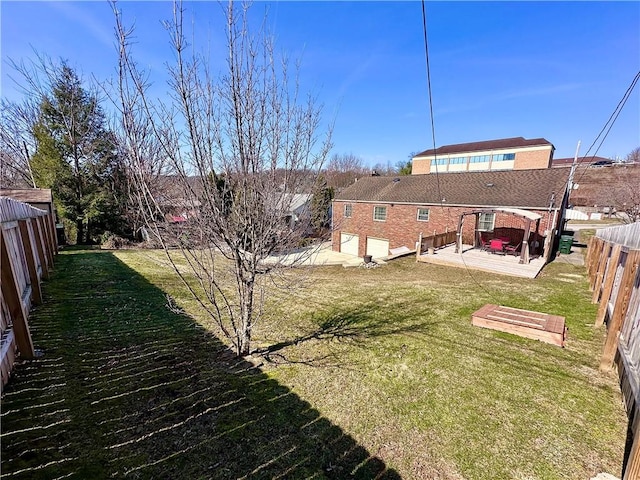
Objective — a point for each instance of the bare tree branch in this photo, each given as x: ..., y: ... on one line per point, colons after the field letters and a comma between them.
x: 241, y: 148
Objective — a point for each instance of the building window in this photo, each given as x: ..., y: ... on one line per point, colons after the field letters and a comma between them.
x: 457, y: 160
x: 486, y: 222
x: 380, y: 214
x: 504, y: 157
x: 479, y: 158
x: 439, y: 161
x: 423, y: 214
x: 348, y: 208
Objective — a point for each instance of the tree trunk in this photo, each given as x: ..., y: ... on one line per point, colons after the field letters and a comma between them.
x: 246, y: 318
x: 80, y: 231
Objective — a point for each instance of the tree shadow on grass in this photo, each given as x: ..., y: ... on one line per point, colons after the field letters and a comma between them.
x: 357, y: 324
x: 127, y: 388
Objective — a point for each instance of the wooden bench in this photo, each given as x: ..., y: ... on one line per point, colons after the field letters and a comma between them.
x: 535, y: 325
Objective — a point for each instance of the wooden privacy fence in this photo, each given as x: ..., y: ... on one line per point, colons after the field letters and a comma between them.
x: 28, y: 245
x: 613, y: 260
x: 435, y: 241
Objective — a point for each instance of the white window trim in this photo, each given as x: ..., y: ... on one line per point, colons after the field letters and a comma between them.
x: 493, y: 223
x: 385, y: 213
x: 350, y: 206
x: 418, y: 214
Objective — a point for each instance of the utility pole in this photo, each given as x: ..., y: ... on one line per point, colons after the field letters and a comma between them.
x: 565, y: 198
x: 573, y: 169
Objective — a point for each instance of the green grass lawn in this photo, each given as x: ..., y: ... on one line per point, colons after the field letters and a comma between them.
x: 379, y: 364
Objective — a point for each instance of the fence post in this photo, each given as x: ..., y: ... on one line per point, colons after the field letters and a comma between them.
x: 46, y: 242
x: 610, y: 275
x: 620, y: 309
x: 593, y: 257
x: 11, y: 295
x: 29, y: 257
x: 40, y: 247
x: 632, y: 465
x: 601, y: 263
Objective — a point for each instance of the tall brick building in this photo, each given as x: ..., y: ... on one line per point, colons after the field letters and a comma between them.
x: 377, y: 214
x: 505, y: 154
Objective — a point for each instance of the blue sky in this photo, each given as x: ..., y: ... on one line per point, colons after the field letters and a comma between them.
x: 498, y: 69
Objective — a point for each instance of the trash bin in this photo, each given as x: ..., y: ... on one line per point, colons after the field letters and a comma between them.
x: 367, y: 258
x: 565, y: 244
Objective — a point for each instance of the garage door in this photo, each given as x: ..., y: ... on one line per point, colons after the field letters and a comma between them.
x: 349, y: 243
x: 377, y: 247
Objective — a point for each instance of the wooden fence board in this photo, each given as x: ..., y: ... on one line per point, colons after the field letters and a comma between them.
x: 31, y: 258
x: 620, y: 309
x: 13, y: 299
x: 41, y: 248
x: 605, y: 254
x: 609, y: 278
x: 27, y: 249
x: 613, y: 268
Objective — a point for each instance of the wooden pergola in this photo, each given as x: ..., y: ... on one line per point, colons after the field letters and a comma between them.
x: 527, y: 216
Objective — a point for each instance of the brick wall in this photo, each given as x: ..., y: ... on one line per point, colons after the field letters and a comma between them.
x: 420, y: 166
x: 526, y: 160
x: 402, y: 228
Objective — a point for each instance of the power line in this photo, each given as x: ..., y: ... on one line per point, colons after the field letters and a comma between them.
x: 433, y: 128
x: 610, y: 122
x: 433, y: 136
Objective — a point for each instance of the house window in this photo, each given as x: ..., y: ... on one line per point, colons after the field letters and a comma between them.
x: 380, y: 214
x: 479, y: 159
x: 504, y: 157
x: 439, y: 161
x: 486, y: 222
x: 348, y: 208
x: 423, y: 214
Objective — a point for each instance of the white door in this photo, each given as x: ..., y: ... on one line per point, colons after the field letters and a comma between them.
x: 349, y: 243
x: 377, y: 247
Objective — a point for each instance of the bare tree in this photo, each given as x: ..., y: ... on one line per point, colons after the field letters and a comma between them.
x: 17, y: 143
x: 344, y: 169
x: 626, y: 196
x: 384, y: 169
x: 242, y: 149
x: 633, y: 156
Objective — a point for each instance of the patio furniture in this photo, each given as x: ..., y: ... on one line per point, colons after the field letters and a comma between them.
x: 513, y: 249
x: 484, y: 243
x: 497, y: 246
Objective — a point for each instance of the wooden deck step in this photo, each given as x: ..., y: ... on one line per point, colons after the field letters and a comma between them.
x: 538, y: 326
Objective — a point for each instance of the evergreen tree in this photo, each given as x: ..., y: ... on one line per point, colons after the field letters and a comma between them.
x: 77, y: 157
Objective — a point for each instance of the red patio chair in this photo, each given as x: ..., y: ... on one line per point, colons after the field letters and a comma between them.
x: 484, y: 243
x: 513, y: 249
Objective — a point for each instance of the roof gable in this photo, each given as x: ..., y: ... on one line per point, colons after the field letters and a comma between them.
x: 506, y: 188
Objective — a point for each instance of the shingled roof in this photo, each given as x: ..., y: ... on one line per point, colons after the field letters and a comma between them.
x: 567, y: 162
x: 28, y: 195
x: 506, y: 188
x: 515, y: 142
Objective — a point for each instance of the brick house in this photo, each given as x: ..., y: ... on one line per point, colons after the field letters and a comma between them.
x: 504, y: 154
x: 378, y: 214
